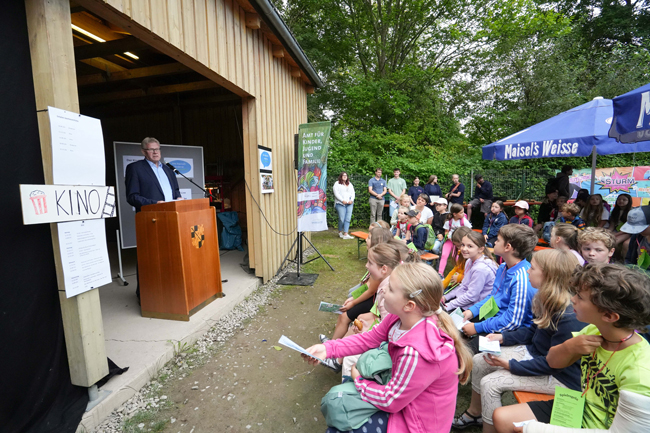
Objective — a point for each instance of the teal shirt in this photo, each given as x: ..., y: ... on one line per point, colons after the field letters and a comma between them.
x: 397, y: 185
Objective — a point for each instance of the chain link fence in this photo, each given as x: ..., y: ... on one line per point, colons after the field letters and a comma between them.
x: 513, y: 184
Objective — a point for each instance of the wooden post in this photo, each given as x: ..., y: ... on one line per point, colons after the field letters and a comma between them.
x: 55, y: 84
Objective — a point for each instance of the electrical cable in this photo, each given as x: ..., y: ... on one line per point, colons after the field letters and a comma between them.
x: 241, y: 139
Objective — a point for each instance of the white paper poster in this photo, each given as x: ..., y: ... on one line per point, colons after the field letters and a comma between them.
x: 77, y: 149
x: 84, y: 256
x: 128, y: 159
x: 266, y: 158
x: 186, y: 193
x: 183, y: 165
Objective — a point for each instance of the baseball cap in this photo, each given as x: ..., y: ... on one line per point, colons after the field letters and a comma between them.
x: 412, y: 213
x: 441, y: 200
x: 637, y: 220
x: 522, y: 204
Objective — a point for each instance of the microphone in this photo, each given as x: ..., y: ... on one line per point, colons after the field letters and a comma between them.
x: 171, y: 167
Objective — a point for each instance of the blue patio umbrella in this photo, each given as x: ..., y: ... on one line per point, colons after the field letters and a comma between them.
x: 581, y: 131
x: 631, y: 122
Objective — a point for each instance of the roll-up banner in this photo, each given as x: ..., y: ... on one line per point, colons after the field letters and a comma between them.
x: 313, y: 144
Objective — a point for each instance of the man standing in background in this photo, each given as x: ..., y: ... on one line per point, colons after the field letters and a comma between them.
x: 482, y: 197
x: 377, y: 190
x: 396, y: 187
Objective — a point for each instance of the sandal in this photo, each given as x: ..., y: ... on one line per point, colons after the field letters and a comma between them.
x: 467, y: 420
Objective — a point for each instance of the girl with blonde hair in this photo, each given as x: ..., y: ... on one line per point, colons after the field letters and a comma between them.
x: 428, y: 354
x: 522, y: 365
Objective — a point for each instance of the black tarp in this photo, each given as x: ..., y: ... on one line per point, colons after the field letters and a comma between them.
x: 36, y: 394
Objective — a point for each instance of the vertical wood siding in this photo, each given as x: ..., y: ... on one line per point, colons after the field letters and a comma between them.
x: 214, y: 34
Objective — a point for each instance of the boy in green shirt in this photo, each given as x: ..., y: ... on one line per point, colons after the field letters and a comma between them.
x: 396, y: 188
x: 615, y: 300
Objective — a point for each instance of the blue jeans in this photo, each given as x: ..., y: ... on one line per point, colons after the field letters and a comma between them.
x: 392, y: 207
x: 345, y: 214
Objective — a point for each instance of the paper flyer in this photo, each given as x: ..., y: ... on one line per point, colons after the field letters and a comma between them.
x: 330, y: 308
x: 488, y: 346
x: 285, y: 341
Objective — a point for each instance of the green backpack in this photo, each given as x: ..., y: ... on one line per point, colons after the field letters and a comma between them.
x: 344, y: 409
x: 431, y: 239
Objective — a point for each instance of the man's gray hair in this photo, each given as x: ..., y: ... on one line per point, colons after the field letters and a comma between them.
x: 148, y: 140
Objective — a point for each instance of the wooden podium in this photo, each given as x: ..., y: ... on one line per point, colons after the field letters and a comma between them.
x: 178, y: 258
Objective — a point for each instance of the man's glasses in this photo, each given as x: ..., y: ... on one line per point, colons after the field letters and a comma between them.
x: 155, y: 150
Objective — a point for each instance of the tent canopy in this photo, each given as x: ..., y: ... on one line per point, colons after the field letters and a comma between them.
x: 576, y: 132
x: 631, y: 122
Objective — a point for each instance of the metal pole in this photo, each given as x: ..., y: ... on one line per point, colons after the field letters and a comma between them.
x: 594, y: 153
x: 299, y: 258
x: 119, y: 259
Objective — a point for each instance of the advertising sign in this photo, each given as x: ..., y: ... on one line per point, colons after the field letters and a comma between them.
x: 313, y: 145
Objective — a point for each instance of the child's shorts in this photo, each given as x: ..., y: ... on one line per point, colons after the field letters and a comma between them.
x: 542, y: 410
x: 360, y: 308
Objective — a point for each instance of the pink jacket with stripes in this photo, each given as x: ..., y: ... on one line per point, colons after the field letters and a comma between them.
x: 421, y: 396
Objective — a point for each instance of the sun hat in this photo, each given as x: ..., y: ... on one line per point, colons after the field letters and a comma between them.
x: 637, y: 220
x: 441, y: 200
x: 522, y: 204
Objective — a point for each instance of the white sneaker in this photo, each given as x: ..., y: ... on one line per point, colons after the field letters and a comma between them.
x: 341, y: 235
x: 347, y: 237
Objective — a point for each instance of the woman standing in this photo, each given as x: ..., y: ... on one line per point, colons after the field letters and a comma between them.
x: 432, y: 188
x: 344, y: 199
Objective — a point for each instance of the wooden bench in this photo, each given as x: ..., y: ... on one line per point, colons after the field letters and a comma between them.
x: 429, y: 256
x: 361, y: 239
x: 540, y: 248
x: 525, y: 397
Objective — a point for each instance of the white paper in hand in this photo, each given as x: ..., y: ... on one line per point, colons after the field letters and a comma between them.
x: 285, y: 341
x: 488, y: 346
x: 458, y: 318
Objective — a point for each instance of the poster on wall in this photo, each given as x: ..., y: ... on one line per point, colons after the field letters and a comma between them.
x: 313, y: 145
x: 265, y: 158
x: 267, y: 182
x: 183, y: 165
x: 611, y: 182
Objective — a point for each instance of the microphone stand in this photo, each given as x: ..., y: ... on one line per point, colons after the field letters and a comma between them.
x: 207, y: 194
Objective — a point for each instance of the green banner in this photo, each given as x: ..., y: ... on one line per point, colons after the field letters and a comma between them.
x: 313, y: 145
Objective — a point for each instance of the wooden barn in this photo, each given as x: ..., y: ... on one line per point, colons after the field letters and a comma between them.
x: 226, y: 75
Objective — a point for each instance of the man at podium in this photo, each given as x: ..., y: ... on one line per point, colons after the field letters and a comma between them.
x: 149, y: 181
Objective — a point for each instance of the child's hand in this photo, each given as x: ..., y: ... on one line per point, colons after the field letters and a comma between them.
x: 440, y: 237
x: 469, y: 329
x: 495, y: 337
x: 318, y: 350
x: 518, y: 430
x: 468, y: 315
x: 497, y: 361
x: 347, y: 304
x: 485, y: 236
x: 354, y: 372
x: 585, y: 344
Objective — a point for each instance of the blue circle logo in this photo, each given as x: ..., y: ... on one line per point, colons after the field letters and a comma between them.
x: 265, y: 157
x: 181, y: 166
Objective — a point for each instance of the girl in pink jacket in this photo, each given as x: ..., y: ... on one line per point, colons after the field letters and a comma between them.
x: 428, y: 355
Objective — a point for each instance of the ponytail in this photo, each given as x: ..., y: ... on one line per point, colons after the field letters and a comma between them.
x: 455, y: 208
x: 568, y: 233
x: 464, y: 354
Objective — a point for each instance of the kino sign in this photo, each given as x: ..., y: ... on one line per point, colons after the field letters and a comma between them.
x: 61, y: 203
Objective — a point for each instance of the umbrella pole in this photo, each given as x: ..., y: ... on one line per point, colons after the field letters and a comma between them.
x: 593, y: 169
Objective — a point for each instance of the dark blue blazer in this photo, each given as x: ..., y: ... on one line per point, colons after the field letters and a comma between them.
x: 142, y: 186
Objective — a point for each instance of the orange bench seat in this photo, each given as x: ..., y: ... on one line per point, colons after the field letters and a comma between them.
x: 525, y: 397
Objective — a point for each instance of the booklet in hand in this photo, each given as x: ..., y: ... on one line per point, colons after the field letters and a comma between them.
x: 489, y: 346
x: 330, y: 308
x: 458, y: 318
x: 291, y: 345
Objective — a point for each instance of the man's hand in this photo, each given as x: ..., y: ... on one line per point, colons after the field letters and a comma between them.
x: 497, y: 361
x: 482, y: 201
x: 495, y: 337
x: 478, y: 185
x: 468, y: 315
x: 469, y: 329
x: 318, y: 350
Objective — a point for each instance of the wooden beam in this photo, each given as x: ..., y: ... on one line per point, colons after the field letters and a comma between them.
x: 139, y: 93
x: 95, y: 26
x: 278, y: 51
x: 104, y: 65
x: 102, y: 49
x: 310, y: 89
x: 296, y: 72
x: 253, y: 21
x: 131, y: 74
x: 53, y: 69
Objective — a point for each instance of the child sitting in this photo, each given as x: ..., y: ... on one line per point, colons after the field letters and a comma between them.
x: 379, y: 224
x: 596, y: 245
x: 455, y: 219
x: 428, y: 355
x: 637, y: 225
x: 456, y: 275
x: 480, y: 269
x: 438, y: 223
x: 493, y: 223
x: 615, y: 301
x: 522, y: 365
x: 569, y: 214
x: 512, y: 291
x: 401, y: 226
x: 565, y: 237
x: 404, y: 201
x: 417, y: 233
x: 521, y: 214
x: 594, y: 214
